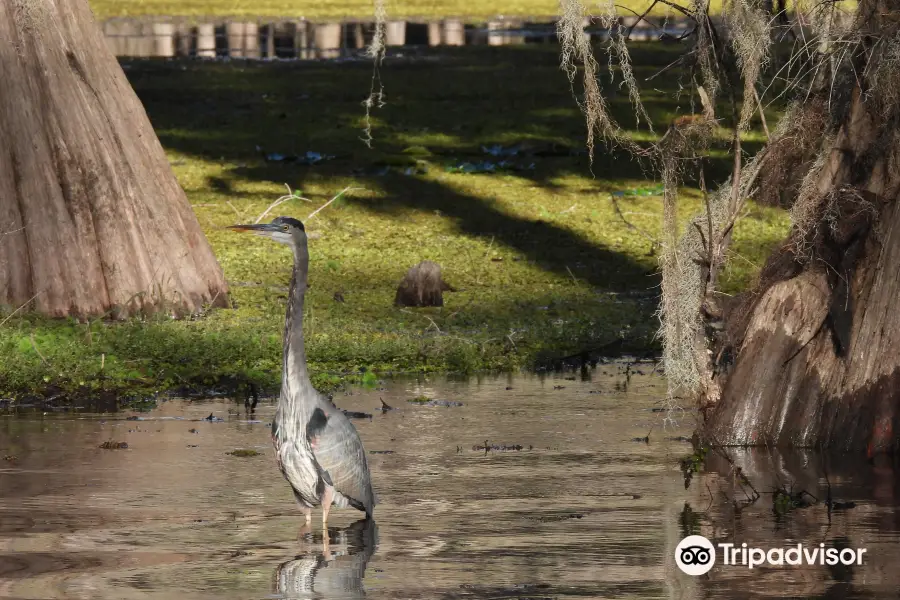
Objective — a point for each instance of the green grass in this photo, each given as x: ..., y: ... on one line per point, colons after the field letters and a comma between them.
x: 342, y: 9
x: 542, y: 264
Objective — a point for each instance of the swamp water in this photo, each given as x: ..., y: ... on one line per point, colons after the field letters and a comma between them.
x: 581, y: 511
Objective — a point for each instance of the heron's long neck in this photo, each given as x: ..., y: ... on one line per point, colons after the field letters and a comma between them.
x: 296, y: 384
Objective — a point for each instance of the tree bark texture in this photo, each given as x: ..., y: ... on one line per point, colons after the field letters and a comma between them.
x: 818, y: 345
x: 92, y: 220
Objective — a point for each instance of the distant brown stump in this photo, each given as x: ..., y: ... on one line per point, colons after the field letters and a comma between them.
x: 422, y: 286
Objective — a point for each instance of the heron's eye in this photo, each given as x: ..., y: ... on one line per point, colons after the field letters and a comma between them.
x: 284, y: 228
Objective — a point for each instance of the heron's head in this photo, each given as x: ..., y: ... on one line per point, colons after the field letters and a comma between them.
x: 284, y: 230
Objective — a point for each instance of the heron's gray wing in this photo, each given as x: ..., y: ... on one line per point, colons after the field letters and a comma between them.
x: 299, y: 468
x: 340, y: 453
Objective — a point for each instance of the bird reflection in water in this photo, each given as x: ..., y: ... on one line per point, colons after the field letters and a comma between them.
x: 335, y: 570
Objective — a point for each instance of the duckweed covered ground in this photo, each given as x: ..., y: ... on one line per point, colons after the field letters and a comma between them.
x: 543, y: 265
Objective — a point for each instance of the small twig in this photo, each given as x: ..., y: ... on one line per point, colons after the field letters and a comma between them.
x: 737, y: 254
x: 210, y: 222
x: 810, y: 494
x: 438, y: 329
x: 339, y: 194
x: 574, y: 280
x: 239, y: 214
x: 641, y: 17
x: 485, y: 343
x: 512, y: 341
x: 460, y: 309
x: 486, y: 254
x: 631, y: 225
x: 742, y: 479
x: 800, y: 349
x: 34, y: 345
x: 275, y: 204
x: 680, y: 9
x: 667, y: 67
x: 687, y: 34
x: 762, y: 115
x: 406, y: 310
x: 291, y: 195
x: 10, y: 316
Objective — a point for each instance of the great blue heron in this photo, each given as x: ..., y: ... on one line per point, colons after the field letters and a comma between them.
x: 317, y: 448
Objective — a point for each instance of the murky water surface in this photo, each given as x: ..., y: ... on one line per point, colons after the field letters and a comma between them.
x: 581, y: 511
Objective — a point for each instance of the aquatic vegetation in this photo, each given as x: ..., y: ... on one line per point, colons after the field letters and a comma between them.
x: 244, y: 453
x: 425, y: 401
x: 111, y: 445
x: 692, y: 464
x: 487, y: 447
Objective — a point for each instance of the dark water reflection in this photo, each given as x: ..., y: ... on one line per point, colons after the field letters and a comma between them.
x: 581, y: 511
x: 333, y: 572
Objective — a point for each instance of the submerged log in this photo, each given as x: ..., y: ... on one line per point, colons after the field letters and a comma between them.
x: 422, y: 286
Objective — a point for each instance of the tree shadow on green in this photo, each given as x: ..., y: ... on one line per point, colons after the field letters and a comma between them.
x: 536, y: 251
x: 442, y: 111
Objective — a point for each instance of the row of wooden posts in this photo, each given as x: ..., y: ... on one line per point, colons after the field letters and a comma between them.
x: 306, y: 39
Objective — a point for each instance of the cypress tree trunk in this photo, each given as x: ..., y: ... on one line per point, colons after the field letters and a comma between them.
x: 817, y: 343
x: 92, y: 220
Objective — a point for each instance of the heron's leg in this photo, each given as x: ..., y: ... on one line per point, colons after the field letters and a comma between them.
x: 306, y: 528
x: 327, y: 499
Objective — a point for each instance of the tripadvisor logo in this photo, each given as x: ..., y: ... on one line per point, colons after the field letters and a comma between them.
x: 696, y: 555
